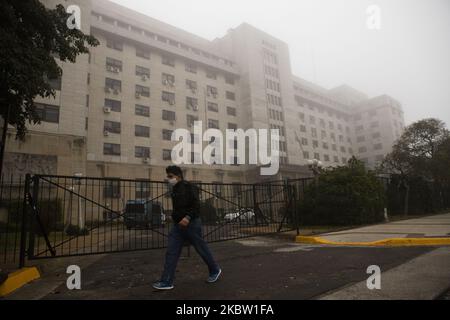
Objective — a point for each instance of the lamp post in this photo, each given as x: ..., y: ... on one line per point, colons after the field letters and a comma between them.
x: 315, y: 166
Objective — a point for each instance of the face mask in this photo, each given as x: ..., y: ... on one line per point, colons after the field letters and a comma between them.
x: 173, y: 181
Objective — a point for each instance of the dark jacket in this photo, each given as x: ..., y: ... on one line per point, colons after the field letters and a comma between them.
x: 185, y: 200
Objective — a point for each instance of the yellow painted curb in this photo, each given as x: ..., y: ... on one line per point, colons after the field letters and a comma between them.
x: 18, y: 279
x: 385, y: 242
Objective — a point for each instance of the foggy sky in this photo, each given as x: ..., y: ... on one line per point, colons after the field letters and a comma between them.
x: 409, y: 58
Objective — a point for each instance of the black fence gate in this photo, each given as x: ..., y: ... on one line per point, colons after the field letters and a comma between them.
x: 72, y: 216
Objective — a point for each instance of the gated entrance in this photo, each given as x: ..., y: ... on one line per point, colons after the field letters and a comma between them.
x: 72, y: 216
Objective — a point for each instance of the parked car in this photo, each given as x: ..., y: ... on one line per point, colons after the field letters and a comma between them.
x: 144, y: 214
x: 240, y: 215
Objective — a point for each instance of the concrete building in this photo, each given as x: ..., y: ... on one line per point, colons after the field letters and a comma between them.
x: 115, y: 109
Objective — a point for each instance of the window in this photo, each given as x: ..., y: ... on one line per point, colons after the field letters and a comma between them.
x: 168, y: 61
x: 314, y: 132
x: 378, y: 146
x: 317, y: 156
x: 167, y: 155
x: 55, y: 83
x: 214, y: 107
x: 326, y: 157
x: 211, y: 75
x: 142, y: 152
x: 232, y: 126
x: 305, y: 155
x: 114, y: 44
x: 229, y: 80
x: 231, y: 95
x: 190, y: 67
x: 167, y: 135
x: 304, y: 141
x: 115, y: 105
x: 211, y: 91
x: 168, y: 79
x: 141, y: 110
x: 168, y: 97
x: 141, y: 131
x: 142, y: 53
x: 214, y: 124
x: 113, y: 65
x: 375, y: 124
x: 359, y: 128
x: 302, y: 128
x: 315, y: 143
x: 191, y: 85
x: 114, y: 85
x: 191, y: 103
x: 142, y: 72
x: 142, y: 189
x: 231, y: 111
x: 111, y: 126
x: 47, y: 113
x: 376, y: 135
x: 361, y: 139
x: 168, y: 115
x: 142, y: 91
x: 111, y: 149
x: 112, y: 189
x: 362, y: 149
x: 191, y: 119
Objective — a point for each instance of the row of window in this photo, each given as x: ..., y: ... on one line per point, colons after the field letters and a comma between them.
x: 322, y: 123
x: 326, y: 157
x: 325, y: 145
x: 157, y: 37
x: 378, y: 146
x: 324, y: 134
x: 116, y: 66
x: 320, y: 108
x: 115, y: 86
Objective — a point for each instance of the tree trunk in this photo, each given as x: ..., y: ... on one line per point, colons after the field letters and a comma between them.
x: 406, y: 204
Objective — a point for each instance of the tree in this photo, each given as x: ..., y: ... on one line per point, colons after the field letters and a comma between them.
x: 419, y: 153
x: 31, y: 36
x: 346, y: 195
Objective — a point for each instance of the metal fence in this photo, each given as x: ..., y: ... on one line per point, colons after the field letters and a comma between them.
x: 56, y: 216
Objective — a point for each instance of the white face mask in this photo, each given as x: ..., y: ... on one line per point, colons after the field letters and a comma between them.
x: 173, y: 181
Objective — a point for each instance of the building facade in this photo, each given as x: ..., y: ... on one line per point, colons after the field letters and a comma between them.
x: 116, y: 108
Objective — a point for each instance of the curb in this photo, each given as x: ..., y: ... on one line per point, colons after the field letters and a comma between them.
x: 18, y: 279
x: 389, y: 242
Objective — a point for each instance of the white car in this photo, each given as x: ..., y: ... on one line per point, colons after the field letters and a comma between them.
x: 241, y: 215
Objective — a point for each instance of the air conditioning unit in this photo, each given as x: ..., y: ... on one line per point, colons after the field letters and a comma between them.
x: 172, y: 122
x: 144, y: 77
x: 109, y: 68
x: 107, y: 109
x: 107, y: 90
x: 146, y: 160
x: 195, y: 107
x: 165, y: 82
x: 138, y: 96
x: 106, y: 133
x: 171, y: 102
x: 116, y: 91
x: 116, y: 70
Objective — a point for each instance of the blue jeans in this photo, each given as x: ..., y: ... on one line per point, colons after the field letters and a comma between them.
x: 177, y: 237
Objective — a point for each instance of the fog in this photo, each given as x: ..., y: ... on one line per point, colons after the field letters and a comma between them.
x: 330, y: 43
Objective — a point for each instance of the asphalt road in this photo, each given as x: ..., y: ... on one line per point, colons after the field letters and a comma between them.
x: 255, y: 268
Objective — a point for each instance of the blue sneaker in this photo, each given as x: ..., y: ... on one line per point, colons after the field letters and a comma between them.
x: 214, y: 276
x: 160, y: 285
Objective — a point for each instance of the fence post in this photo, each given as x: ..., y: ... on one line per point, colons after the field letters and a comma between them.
x: 34, y: 196
x: 24, y: 229
x: 255, y: 209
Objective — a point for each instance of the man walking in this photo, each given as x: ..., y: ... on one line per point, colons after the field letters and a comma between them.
x: 187, y: 227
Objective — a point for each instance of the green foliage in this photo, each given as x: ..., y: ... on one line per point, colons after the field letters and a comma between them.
x: 31, y: 36
x: 347, y: 195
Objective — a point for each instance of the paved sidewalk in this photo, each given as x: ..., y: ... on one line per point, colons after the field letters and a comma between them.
x: 437, y: 226
x: 426, y: 277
